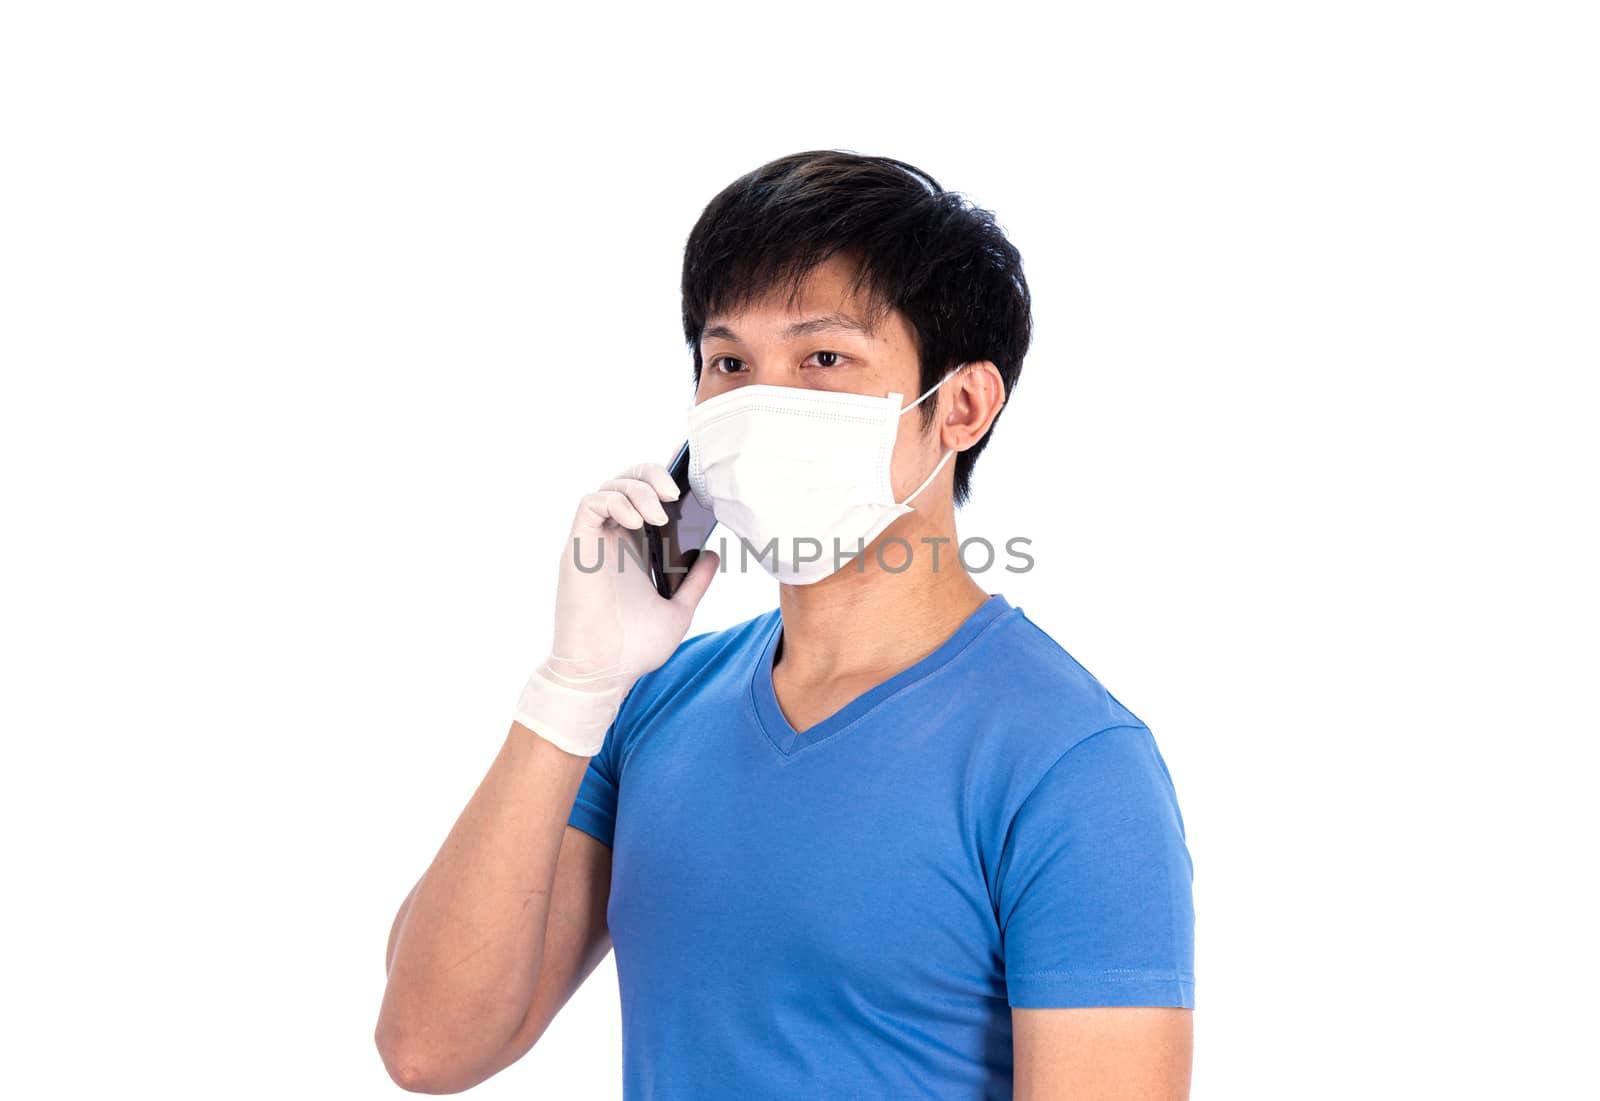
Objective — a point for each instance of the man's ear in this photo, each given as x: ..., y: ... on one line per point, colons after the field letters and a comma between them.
x: 978, y: 394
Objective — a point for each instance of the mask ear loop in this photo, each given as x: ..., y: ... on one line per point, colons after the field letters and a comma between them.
x: 940, y: 464
x: 954, y: 371
x: 926, y: 481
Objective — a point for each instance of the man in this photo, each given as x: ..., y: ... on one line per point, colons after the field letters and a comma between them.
x: 887, y: 840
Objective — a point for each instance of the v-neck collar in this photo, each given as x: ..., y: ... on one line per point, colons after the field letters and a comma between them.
x: 788, y: 741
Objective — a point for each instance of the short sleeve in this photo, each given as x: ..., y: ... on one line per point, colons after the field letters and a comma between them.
x: 594, y: 810
x: 1094, y: 882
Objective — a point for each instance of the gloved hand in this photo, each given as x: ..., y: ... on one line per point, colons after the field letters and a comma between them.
x: 611, y: 625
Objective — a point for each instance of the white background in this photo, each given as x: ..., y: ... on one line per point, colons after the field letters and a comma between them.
x: 316, y: 319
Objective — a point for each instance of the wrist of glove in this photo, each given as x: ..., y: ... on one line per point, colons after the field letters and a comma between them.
x: 569, y: 707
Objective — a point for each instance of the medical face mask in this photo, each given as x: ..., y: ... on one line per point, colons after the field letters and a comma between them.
x: 801, y: 475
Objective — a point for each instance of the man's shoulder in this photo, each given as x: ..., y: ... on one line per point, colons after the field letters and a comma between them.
x: 1040, y: 687
x: 1037, y: 705
x: 709, y: 652
x: 1031, y: 703
x: 708, y: 646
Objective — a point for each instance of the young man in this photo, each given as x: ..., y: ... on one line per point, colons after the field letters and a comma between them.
x: 887, y: 840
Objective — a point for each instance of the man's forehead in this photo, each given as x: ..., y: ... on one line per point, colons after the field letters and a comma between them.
x: 729, y: 327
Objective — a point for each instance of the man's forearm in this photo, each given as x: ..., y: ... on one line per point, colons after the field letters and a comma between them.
x: 464, y: 960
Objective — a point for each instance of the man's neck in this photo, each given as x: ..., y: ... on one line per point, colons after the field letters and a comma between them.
x: 866, y: 620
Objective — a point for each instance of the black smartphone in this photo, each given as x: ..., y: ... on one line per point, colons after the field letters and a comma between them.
x: 673, y: 546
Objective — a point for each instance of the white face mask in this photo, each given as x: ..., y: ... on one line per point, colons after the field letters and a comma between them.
x: 806, y: 471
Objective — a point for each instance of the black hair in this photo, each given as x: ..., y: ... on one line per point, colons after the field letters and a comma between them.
x: 943, y: 262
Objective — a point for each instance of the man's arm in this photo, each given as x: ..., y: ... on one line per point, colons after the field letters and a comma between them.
x: 394, y: 930
x: 510, y: 916
x: 1111, y: 1053
x: 467, y: 952
x: 1097, y: 915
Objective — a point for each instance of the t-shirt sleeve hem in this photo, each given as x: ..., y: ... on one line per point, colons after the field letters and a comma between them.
x: 1066, y: 990
x: 592, y: 822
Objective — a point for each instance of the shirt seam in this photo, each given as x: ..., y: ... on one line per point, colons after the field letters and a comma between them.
x: 750, y: 689
x: 1057, y: 760
x: 1011, y: 824
x: 1113, y: 974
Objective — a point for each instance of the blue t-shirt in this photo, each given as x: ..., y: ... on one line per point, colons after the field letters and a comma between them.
x: 853, y: 909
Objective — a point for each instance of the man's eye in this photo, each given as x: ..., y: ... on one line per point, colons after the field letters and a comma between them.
x: 732, y: 365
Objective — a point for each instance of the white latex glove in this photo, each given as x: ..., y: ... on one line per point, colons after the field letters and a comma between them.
x: 611, y: 626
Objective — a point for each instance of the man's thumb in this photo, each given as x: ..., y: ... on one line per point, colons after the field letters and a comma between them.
x: 698, y: 579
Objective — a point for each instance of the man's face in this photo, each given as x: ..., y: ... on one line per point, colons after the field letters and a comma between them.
x: 816, y: 346
x: 764, y: 344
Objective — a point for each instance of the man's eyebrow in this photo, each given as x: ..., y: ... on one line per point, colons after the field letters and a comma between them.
x: 831, y: 322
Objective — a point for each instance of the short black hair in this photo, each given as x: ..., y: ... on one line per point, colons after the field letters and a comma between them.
x: 941, y: 261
